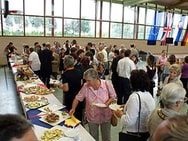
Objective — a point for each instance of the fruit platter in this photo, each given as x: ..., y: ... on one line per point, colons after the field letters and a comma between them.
x: 53, y: 134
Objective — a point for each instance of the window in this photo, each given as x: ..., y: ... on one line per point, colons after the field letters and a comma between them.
x: 105, y: 29
x: 140, y: 32
x: 87, y: 28
x: 150, y: 17
x: 71, y: 8
x: 88, y: 9
x: 142, y: 13
x: 128, y: 15
x: 116, y: 30
x: 33, y: 7
x: 13, y: 25
x: 71, y: 27
x: 58, y: 8
x: 116, y: 12
x: 58, y: 26
x: 34, y: 26
x: 128, y: 30
x: 106, y: 11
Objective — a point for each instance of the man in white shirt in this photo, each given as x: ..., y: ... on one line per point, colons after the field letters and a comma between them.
x: 124, y: 68
x: 34, y: 61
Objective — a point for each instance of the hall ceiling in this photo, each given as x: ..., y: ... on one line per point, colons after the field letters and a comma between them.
x: 169, y: 4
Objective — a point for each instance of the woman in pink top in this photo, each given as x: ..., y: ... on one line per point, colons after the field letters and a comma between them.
x: 98, y: 95
x: 160, y: 64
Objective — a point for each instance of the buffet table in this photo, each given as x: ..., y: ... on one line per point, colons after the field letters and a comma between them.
x: 37, y: 107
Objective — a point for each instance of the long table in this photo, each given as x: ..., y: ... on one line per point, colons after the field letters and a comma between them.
x: 40, y: 126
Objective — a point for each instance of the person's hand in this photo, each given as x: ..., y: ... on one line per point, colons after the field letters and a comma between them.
x: 118, y: 113
x: 71, y: 112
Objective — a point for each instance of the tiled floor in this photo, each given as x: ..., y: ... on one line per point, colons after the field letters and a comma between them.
x: 9, y: 101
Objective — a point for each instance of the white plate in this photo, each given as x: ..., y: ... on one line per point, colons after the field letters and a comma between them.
x: 61, y: 118
x: 52, y: 107
x: 66, y: 139
x: 115, y: 107
x: 71, y: 133
x: 102, y: 105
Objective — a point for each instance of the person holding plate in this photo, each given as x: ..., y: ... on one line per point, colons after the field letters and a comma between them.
x: 98, y: 94
x: 139, y: 106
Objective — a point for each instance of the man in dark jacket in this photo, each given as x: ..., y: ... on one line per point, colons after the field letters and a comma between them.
x: 46, y: 59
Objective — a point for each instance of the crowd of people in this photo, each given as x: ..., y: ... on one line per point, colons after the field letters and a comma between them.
x: 86, y: 85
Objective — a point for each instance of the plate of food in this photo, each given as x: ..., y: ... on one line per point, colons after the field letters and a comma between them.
x: 34, y: 98
x: 54, y: 118
x: 51, y: 108
x: 115, y: 107
x: 36, y: 104
x: 54, y: 134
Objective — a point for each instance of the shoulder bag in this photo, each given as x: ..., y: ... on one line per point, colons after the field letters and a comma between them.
x: 114, y: 120
x: 129, y: 136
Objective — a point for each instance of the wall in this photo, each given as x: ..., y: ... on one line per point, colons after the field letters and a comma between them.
x: 179, y: 51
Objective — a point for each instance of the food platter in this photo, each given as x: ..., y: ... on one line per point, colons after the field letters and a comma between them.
x: 36, y: 89
x: 53, y: 122
x: 34, y: 98
x: 51, y: 108
x: 53, y: 134
x: 36, y: 104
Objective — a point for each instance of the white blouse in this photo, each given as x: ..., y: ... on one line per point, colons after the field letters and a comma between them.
x: 129, y: 121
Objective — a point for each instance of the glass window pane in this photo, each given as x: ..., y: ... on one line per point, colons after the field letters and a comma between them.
x: 105, y: 11
x: 34, y: 26
x: 150, y: 17
x: 48, y: 11
x: 105, y: 29
x: 71, y: 27
x: 140, y: 32
x: 148, y: 28
x: 128, y: 30
x: 87, y: 28
x: 185, y: 23
x: 97, y: 29
x: 88, y: 9
x: 182, y: 35
x: 58, y: 8
x: 128, y: 15
x: 16, y: 5
x: 13, y: 25
x: 34, y: 7
x: 116, y: 30
x: 141, y: 16
x: 58, y: 27
x: 71, y: 8
x: 160, y: 33
x: 116, y: 12
x: 48, y: 23
x: 98, y: 9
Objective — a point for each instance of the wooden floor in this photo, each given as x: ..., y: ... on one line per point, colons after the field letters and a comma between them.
x: 9, y: 100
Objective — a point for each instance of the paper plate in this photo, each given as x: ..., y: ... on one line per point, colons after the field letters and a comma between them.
x: 102, y: 105
x: 115, y: 107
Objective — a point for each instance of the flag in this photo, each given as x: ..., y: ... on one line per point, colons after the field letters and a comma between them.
x: 179, y: 30
x: 167, y: 28
x: 154, y: 31
x: 185, y: 38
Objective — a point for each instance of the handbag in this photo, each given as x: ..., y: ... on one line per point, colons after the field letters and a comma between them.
x: 132, y: 136
x: 114, y: 120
